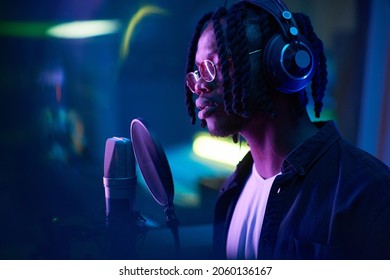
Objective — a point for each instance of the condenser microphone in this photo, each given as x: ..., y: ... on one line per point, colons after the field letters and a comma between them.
x: 119, y: 179
x: 120, y: 189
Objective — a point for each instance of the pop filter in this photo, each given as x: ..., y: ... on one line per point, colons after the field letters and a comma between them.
x: 152, y: 163
x: 155, y: 169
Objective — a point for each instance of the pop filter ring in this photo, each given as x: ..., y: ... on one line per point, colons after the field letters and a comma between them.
x: 155, y: 169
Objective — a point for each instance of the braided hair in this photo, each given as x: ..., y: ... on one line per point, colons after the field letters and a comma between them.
x: 191, y: 62
x: 246, y: 29
x: 319, y: 81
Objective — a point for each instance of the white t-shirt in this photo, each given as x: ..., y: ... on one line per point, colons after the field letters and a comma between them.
x: 245, y: 226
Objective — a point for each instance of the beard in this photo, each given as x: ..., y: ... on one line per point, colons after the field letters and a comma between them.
x: 224, y: 125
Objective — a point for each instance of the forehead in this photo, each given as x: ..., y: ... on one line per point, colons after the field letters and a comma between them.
x: 207, y: 45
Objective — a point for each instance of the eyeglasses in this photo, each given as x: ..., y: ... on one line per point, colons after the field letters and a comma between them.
x: 207, y: 70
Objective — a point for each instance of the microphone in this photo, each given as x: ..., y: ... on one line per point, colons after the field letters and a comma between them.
x: 120, y: 182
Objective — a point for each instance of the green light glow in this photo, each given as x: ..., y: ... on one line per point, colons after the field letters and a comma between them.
x: 68, y: 30
x: 218, y: 149
x: 24, y: 29
x: 84, y: 29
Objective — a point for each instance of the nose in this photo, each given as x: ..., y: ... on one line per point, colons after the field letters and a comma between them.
x: 202, y: 86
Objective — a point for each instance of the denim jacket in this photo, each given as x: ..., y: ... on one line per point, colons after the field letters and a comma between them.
x: 332, y: 201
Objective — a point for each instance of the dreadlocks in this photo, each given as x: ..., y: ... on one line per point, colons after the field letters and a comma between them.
x: 238, y: 31
x: 238, y: 40
x: 191, y: 62
x: 319, y: 81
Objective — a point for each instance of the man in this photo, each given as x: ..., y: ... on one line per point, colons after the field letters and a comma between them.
x: 302, y: 192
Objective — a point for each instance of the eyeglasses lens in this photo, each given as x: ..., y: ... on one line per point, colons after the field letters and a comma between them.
x: 206, y: 70
x: 191, y: 79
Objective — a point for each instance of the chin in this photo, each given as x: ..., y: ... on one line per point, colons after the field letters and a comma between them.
x: 226, y: 126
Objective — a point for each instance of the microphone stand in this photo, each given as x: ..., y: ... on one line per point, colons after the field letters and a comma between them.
x: 173, y: 223
x: 121, y: 235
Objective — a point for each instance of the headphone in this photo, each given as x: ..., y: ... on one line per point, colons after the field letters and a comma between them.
x: 288, y: 58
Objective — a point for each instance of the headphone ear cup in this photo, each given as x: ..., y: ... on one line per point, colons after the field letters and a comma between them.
x: 289, y: 66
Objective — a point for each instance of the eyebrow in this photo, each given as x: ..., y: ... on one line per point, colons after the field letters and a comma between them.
x: 210, y: 56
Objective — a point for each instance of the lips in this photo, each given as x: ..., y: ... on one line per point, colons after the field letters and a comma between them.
x: 206, y: 107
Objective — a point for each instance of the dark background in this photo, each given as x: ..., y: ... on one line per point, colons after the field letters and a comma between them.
x: 62, y: 98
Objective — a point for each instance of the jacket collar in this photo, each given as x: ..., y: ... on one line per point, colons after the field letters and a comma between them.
x: 299, y: 160
x: 306, y: 154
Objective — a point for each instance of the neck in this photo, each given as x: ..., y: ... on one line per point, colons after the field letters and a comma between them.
x: 271, y: 140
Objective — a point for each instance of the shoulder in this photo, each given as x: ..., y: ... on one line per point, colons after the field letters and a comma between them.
x: 351, y: 159
x: 365, y: 163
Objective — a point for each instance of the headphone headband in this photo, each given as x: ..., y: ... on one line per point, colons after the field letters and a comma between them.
x: 288, y: 59
x: 280, y: 13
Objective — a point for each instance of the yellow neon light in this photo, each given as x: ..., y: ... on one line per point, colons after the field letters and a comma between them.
x: 139, y: 15
x: 218, y: 150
